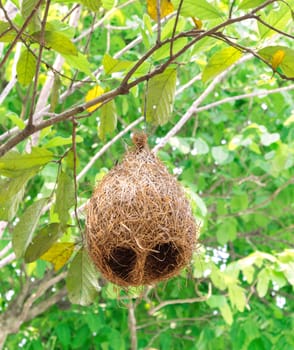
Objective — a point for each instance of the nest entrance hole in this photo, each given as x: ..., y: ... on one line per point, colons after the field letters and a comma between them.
x: 122, y: 261
x: 163, y: 259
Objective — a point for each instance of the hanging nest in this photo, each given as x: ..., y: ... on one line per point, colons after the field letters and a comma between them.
x: 140, y: 228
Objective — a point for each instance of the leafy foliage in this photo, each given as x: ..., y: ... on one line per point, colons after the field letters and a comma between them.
x: 214, y: 85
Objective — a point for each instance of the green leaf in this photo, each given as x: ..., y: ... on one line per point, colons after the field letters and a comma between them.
x: 227, y: 231
x: 267, y: 138
x: 93, y: 5
x: 61, y: 141
x: 82, y: 280
x: 203, y: 45
x: 26, y: 67
x: 65, y: 196
x: 112, y: 65
x: 13, y: 164
x: 198, y: 205
x: 108, y: 4
x: 11, y: 194
x: 6, y: 34
x: 286, y: 64
x: 160, y: 97
x: 180, y: 143
x: 279, y: 279
x: 248, y: 4
x: 248, y: 273
x: 42, y: 241
x: 108, y: 119
x: 198, y: 8
x: 276, y: 18
x: 288, y: 271
x: 27, y: 7
x: 168, y: 27
x: 16, y: 120
x: 239, y: 202
x: 220, y: 154
x: 80, y: 62
x: 164, y: 51
x: 220, y: 61
x: 23, y: 231
x: 58, y: 42
x: 60, y: 27
x: 263, y: 279
x: 200, y: 147
x: 54, y: 94
x: 282, y: 160
x: 220, y: 302
x: 217, y: 278
x: 226, y: 313
x: 237, y: 296
x: 63, y: 333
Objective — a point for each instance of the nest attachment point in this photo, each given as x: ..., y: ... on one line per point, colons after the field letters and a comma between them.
x: 140, y: 228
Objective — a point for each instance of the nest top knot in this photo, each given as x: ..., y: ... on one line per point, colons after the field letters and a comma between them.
x: 140, y: 141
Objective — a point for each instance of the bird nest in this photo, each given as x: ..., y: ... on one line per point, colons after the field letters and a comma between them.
x: 140, y: 228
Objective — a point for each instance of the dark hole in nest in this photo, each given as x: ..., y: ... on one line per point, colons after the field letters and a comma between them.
x: 162, y: 260
x: 122, y: 261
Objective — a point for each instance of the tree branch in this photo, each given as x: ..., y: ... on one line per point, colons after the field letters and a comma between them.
x: 132, y: 325
x: 38, y: 63
x: 273, y: 28
x: 190, y: 111
x: 125, y: 86
x: 158, y: 16
x: 107, y: 146
x: 46, y: 304
x: 45, y: 285
x: 7, y: 260
x: 175, y: 28
x: 181, y: 301
x: 240, y: 97
x: 27, y: 21
x: 5, y: 249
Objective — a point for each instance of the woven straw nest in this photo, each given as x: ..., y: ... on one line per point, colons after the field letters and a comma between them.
x: 140, y: 228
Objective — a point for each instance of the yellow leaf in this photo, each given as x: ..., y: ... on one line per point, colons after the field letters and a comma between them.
x: 198, y: 23
x: 166, y: 7
x: 278, y: 59
x: 59, y: 254
x: 93, y: 93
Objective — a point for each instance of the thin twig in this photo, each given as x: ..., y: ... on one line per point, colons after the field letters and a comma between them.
x: 7, y: 260
x: 266, y: 201
x: 181, y: 301
x: 231, y: 8
x: 5, y: 249
x: 7, y: 89
x: 132, y: 325
x: 175, y: 27
x: 74, y: 149
x: 38, y: 64
x: 75, y: 7
x: 99, y: 23
x: 107, y: 146
x: 158, y: 16
x: 26, y: 22
x: 190, y: 111
x: 244, y: 49
x: 260, y: 93
x: 273, y: 28
x: 190, y: 82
